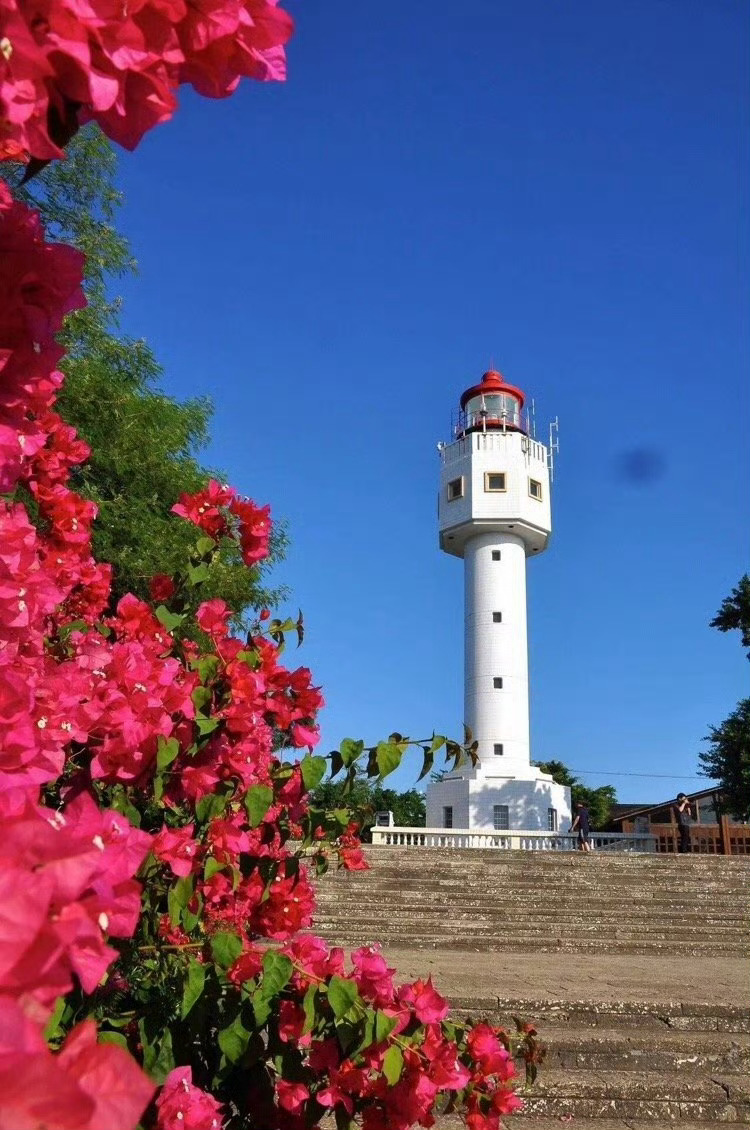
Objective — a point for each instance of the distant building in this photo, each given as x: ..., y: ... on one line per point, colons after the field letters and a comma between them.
x: 710, y: 833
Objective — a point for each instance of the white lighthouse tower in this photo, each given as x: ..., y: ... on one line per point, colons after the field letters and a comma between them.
x: 494, y: 512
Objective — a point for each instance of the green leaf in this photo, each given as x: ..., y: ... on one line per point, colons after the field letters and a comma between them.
x: 351, y: 751
x: 257, y: 802
x: 211, y: 867
x: 393, y: 1064
x: 205, y: 546
x: 277, y: 969
x: 233, y: 1040
x: 207, y: 725
x: 158, y: 1057
x: 384, y: 1025
x: 388, y: 757
x: 225, y: 949
x: 179, y: 895
x: 196, y: 979
x: 198, y: 574
x: 342, y: 995
x: 201, y: 697
x: 261, y: 1008
x: 349, y: 1033
x: 210, y: 806
x: 170, y: 620
x: 429, y: 758
x: 112, y: 1038
x: 207, y: 666
x: 313, y: 771
x: 166, y: 752
x: 52, y: 1026
x: 308, y: 1007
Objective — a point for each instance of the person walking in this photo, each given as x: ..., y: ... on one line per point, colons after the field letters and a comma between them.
x: 682, y: 814
x: 581, y: 823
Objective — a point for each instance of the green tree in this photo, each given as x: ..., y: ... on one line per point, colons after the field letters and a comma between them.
x: 366, y: 799
x: 734, y: 613
x: 144, y: 444
x: 598, y: 801
x: 728, y: 758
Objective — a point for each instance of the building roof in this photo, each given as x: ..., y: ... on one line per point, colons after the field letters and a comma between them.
x: 625, y: 811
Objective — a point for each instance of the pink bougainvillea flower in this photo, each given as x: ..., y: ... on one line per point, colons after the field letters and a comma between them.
x: 176, y: 847
x: 428, y: 1006
x: 213, y: 617
x: 291, y: 1096
x: 183, y: 1106
x: 161, y: 588
x: 87, y: 1086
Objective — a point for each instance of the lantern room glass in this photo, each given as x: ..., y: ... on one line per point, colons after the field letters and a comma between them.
x: 494, y: 408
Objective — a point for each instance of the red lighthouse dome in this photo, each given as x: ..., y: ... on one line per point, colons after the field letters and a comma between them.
x: 493, y: 404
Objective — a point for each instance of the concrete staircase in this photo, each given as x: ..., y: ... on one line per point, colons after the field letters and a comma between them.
x: 602, y: 902
x: 637, y: 1054
x: 630, y: 1065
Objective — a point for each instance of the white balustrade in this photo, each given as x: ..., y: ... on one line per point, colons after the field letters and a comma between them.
x: 518, y: 840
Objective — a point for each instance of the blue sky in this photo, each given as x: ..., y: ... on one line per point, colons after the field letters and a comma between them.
x: 558, y: 187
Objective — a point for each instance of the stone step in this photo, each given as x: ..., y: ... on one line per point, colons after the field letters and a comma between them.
x: 654, y: 1051
x: 506, y: 928
x: 454, y: 1122
x: 591, y: 914
x: 581, y: 1016
x: 595, y: 876
x: 497, y: 885
x: 547, y: 930
x: 519, y: 943
x: 497, y: 857
x: 647, y: 1095
x: 647, y: 898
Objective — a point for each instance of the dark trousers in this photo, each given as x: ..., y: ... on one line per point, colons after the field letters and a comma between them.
x: 684, y: 833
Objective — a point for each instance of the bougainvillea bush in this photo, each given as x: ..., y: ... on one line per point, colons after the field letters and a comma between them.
x: 157, y: 851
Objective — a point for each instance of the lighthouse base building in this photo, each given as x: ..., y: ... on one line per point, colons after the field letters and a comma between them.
x: 476, y: 802
x: 494, y: 514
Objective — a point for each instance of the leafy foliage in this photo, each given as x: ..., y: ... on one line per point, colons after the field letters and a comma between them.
x: 728, y: 758
x: 734, y: 614
x: 366, y: 798
x: 144, y: 444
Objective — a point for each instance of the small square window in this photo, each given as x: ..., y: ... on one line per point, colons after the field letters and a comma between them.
x: 498, y: 749
x: 497, y: 683
x: 500, y: 817
x: 497, y: 617
x: 494, y: 480
x: 455, y: 489
x: 448, y: 816
x: 551, y: 819
x: 496, y: 555
x: 535, y: 489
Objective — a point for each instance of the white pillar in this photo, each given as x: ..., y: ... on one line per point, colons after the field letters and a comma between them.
x: 497, y: 650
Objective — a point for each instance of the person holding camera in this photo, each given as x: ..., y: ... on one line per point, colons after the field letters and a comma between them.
x: 683, y: 814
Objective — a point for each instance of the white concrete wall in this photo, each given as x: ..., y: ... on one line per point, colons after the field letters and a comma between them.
x: 448, y: 793
x: 497, y: 716
x: 528, y: 803
x: 473, y: 800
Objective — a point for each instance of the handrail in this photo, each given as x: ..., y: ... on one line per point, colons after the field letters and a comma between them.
x: 511, y: 840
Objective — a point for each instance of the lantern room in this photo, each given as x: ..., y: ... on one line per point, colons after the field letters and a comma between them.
x: 493, y: 404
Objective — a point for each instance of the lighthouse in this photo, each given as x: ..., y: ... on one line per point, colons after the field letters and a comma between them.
x: 494, y: 513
